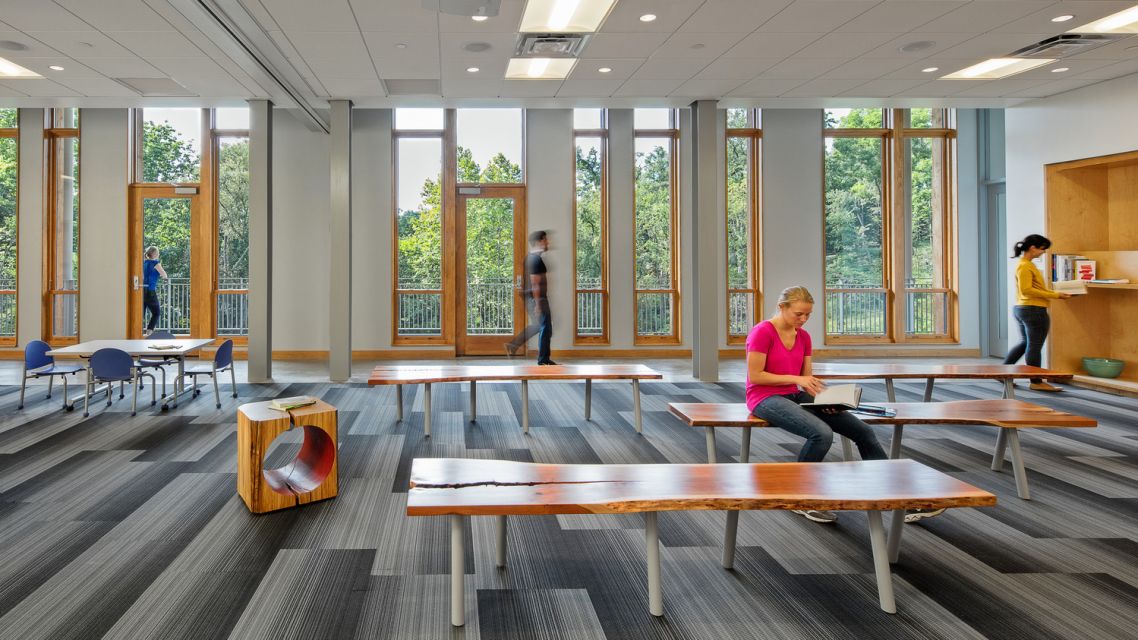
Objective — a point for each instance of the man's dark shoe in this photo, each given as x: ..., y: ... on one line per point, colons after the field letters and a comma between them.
x: 548, y: 363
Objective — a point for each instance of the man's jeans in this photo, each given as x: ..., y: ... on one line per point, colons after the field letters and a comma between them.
x: 540, y: 321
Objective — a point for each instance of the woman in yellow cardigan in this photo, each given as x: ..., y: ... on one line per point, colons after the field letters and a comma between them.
x: 1030, y: 312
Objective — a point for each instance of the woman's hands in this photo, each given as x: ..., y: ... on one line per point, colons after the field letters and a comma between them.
x: 1063, y: 295
x: 810, y: 384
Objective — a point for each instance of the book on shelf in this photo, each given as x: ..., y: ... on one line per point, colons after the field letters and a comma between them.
x: 1064, y: 266
x: 1110, y: 281
x: 841, y: 397
x: 1085, y: 269
x: 294, y: 402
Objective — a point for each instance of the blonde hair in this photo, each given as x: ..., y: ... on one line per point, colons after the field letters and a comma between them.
x: 794, y: 294
x: 151, y: 251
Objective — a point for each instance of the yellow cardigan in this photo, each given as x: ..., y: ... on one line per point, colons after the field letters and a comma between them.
x: 1031, y: 289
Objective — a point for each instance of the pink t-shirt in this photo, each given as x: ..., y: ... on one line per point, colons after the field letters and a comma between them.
x: 780, y: 360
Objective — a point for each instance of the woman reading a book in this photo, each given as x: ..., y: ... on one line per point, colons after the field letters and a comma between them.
x: 1030, y: 310
x: 779, y: 380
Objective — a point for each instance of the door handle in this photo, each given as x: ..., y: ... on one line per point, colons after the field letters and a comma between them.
x: 518, y: 286
x: 134, y: 282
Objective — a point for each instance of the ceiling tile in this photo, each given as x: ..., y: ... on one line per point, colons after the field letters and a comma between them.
x: 509, y: 18
x: 915, y: 71
x: 405, y: 16
x: 408, y: 69
x: 305, y: 15
x: 352, y: 87
x: 900, y: 15
x: 997, y: 88
x: 866, y: 68
x: 936, y: 89
x: 737, y: 68
x: 40, y: 88
x: 1125, y: 49
x: 99, y: 88
x: 1114, y: 70
x: 385, y: 46
x: 1078, y: 67
x: 670, y: 14
x: 40, y: 15
x: 501, y: 45
x: 697, y: 45
x: 821, y: 88
x: 705, y: 88
x: 329, y: 45
x: 850, y: 45
x: 1052, y: 88
x: 465, y: 88
x: 1084, y: 12
x: 622, y: 68
x: 7, y: 91
x: 883, y: 88
x: 771, y: 45
x: 648, y: 87
x: 992, y: 45
x: 118, y: 15
x: 489, y: 69
x: 355, y: 68
x: 81, y: 44
x: 156, y: 43
x: 35, y: 48
x: 589, y: 88
x: 623, y: 45
x: 732, y: 16
x: 802, y: 68
x: 529, y: 88
x: 977, y: 16
x: 125, y: 68
x: 71, y: 68
x: 669, y: 68
x: 941, y: 42
x: 765, y: 88
x: 809, y: 16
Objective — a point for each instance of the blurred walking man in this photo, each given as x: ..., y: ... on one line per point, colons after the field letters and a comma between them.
x: 536, y: 296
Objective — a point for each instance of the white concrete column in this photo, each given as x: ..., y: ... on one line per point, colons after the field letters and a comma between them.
x: 340, y: 288
x: 703, y: 246
x: 29, y: 286
x: 260, y: 352
x: 621, y: 161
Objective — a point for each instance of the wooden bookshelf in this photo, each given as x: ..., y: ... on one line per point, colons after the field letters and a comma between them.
x: 1092, y: 210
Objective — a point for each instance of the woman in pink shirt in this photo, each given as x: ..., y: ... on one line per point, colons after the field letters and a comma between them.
x: 779, y: 379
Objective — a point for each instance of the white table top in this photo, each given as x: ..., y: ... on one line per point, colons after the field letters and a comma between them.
x: 133, y: 347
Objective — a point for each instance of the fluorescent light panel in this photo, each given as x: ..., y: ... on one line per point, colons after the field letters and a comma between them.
x: 998, y: 68
x: 1125, y: 21
x: 9, y: 69
x: 539, y: 68
x: 564, y: 16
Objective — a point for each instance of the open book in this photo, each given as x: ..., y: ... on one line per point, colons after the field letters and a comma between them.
x: 1073, y: 287
x: 841, y: 396
x: 284, y: 404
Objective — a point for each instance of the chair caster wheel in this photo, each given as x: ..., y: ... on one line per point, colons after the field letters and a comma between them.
x: 19, y: 406
x: 71, y: 408
x: 219, y: 405
x: 86, y: 415
x: 132, y: 414
x: 153, y: 402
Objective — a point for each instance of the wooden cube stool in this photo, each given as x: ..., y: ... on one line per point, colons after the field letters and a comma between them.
x: 309, y: 478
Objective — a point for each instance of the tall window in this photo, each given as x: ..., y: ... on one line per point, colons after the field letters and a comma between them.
x: 418, y: 150
x: 590, y: 224
x: 744, y: 301
x: 61, y: 277
x: 229, y: 135
x: 888, y: 224
x: 489, y: 146
x: 9, y: 189
x: 655, y: 241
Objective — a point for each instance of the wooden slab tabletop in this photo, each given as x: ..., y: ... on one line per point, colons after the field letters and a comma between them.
x: 861, y: 370
x: 133, y: 347
x: 413, y: 374
x: 996, y: 413
x: 441, y: 486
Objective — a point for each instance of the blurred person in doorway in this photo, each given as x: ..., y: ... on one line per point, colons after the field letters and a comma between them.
x: 536, y: 295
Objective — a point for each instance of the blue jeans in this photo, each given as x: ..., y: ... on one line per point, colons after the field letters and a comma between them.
x: 1034, y: 323
x: 541, y: 321
x: 818, y: 428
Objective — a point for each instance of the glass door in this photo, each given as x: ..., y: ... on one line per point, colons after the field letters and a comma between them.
x: 163, y: 219
x: 491, y: 247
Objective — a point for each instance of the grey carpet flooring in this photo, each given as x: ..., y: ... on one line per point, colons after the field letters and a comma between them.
x: 121, y: 527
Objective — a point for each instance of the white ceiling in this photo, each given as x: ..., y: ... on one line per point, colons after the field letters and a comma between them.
x: 744, y: 52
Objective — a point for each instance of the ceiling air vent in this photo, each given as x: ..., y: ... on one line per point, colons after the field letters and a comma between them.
x: 551, y: 45
x: 1066, y: 45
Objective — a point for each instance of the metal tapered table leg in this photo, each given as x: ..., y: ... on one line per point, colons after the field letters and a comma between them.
x: 929, y: 389
x: 636, y: 406
x: 709, y: 435
x: 881, y: 562
x: 655, y: 588
x: 1017, y: 464
x: 895, y: 527
x: 895, y: 442
x: 588, y: 399
x: 525, y: 406
x: 457, y: 569
x: 998, y: 454
x: 890, y: 391
x: 500, y: 537
x: 427, y: 409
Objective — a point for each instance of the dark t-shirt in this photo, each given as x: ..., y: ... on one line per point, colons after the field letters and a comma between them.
x: 535, y: 266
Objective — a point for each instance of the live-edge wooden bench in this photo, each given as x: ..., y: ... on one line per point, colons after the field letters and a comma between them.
x: 1007, y: 415
x: 1006, y: 374
x: 458, y: 488
x: 400, y: 375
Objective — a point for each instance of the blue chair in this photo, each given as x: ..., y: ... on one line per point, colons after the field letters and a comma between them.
x: 111, y: 366
x: 156, y: 363
x: 222, y: 360
x: 38, y: 364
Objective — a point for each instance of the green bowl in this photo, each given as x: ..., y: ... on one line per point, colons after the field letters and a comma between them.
x: 1103, y: 367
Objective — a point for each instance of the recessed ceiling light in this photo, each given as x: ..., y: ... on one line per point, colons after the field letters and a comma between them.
x: 1060, y: 70
x: 564, y: 16
x: 400, y: 45
x: 12, y: 70
x: 1125, y: 21
x: 539, y: 68
x: 930, y: 69
x: 472, y: 69
x: 604, y: 70
x: 994, y: 68
x: 648, y: 17
x: 55, y: 67
x: 1062, y: 18
x: 480, y: 18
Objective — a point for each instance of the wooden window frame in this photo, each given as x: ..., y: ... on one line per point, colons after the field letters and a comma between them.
x: 13, y: 340
x: 449, y: 163
x: 52, y: 134
x: 214, y: 175
x: 673, y: 136
x: 893, y: 224
x: 754, y: 136
x: 603, y: 135
x: 450, y: 122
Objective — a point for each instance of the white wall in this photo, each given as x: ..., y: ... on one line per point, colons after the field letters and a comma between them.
x: 104, y: 172
x: 372, y: 214
x: 301, y: 238
x: 1094, y: 121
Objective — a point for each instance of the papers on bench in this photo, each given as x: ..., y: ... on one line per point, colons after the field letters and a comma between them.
x: 162, y: 347
x: 294, y: 402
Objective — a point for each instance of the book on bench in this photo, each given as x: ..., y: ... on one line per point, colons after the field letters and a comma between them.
x: 294, y: 402
x: 845, y: 397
